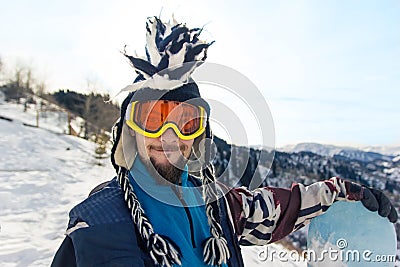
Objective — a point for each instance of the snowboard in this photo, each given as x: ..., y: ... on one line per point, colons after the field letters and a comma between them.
x: 350, y: 235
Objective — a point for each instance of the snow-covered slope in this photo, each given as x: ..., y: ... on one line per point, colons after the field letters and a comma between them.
x: 384, y: 150
x: 365, y: 154
x: 42, y: 176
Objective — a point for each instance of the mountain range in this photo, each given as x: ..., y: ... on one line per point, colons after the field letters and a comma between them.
x: 307, y: 163
x: 366, y: 153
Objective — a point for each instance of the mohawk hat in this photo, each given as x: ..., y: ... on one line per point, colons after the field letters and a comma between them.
x: 173, y: 53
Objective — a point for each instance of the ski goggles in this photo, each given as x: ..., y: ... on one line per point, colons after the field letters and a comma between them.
x: 152, y: 118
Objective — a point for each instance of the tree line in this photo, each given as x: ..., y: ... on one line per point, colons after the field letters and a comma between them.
x: 20, y: 84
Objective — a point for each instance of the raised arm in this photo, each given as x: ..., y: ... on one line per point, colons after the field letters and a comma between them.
x: 268, y: 214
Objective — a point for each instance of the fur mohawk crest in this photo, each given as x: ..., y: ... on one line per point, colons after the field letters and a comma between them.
x: 173, y: 52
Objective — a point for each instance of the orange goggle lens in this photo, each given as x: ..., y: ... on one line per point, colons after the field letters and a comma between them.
x: 153, y: 118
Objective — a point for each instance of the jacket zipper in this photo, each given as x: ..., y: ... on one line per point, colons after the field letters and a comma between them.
x: 191, y: 224
x: 189, y: 216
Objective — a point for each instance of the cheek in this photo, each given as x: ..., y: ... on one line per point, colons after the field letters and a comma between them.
x: 188, y: 144
x: 141, y: 145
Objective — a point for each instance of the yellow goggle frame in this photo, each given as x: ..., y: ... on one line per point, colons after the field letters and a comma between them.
x: 129, y: 118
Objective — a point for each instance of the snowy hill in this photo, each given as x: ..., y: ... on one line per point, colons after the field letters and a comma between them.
x: 365, y: 154
x: 43, y: 174
x: 320, y: 149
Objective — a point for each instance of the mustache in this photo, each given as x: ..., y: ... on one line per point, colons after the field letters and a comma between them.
x: 172, y: 148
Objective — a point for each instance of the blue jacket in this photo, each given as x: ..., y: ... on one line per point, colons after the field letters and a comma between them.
x: 177, y: 212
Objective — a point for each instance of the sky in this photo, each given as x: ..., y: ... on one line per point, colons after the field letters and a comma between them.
x: 328, y: 70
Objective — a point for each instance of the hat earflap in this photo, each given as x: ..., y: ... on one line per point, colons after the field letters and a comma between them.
x: 116, y: 150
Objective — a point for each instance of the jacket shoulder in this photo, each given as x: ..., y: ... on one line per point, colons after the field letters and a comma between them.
x: 104, y: 205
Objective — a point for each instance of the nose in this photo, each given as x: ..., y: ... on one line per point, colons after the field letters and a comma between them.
x: 169, y: 136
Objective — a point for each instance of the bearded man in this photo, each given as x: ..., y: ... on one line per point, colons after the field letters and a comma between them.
x: 165, y: 207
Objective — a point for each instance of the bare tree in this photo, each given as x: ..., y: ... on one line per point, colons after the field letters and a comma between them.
x: 23, y: 76
x: 19, y: 82
x: 18, y: 74
x: 28, y: 78
x: 40, y: 88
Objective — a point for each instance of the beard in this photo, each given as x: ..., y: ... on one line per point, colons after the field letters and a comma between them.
x: 165, y: 172
x: 170, y: 172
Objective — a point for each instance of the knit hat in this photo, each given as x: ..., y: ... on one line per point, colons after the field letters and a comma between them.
x: 173, y: 52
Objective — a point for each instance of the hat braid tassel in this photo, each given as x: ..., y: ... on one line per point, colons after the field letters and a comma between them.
x: 216, y: 251
x: 161, y: 251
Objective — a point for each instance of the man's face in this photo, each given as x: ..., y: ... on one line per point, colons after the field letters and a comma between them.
x: 166, y: 154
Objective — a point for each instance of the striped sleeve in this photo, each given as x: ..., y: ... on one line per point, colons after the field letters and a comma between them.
x: 318, y: 197
x: 268, y: 214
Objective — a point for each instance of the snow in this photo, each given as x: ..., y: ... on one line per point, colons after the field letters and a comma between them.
x: 43, y: 174
x: 331, y: 150
x: 320, y: 149
x: 384, y: 150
